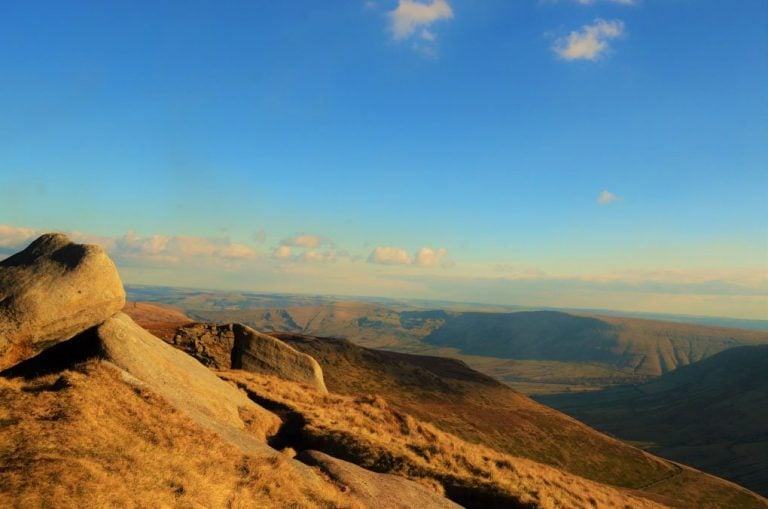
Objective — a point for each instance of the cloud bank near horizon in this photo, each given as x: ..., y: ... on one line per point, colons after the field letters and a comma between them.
x: 424, y: 257
x: 305, y: 263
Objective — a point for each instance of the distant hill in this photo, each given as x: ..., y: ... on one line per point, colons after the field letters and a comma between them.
x: 632, y: 346
x: 369, y: 324
x: 220, y: 299
x: 161, y: 320
x: 537, y: 352
x: 712, y: 414
x: 643, y: 347
x: 477, y: 408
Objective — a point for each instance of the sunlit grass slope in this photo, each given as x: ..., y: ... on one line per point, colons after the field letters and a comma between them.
x: 367, y: 431
x: 85, y: 438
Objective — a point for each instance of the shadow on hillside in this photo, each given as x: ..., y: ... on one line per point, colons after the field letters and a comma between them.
x: 58, y: 357
x: 293, y: 433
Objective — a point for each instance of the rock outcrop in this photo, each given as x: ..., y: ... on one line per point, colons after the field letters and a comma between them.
x: 51, y: 291
x: 180, y: 379
x: 236, y: 346
x: 372, y: 489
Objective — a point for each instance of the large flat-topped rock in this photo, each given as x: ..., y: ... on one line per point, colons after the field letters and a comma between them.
x: 51, y: 291
x: 180, y: 379
x: 236, y: 346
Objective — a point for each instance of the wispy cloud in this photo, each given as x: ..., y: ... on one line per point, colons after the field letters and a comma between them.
x: 590, y: 42
x: 413, y: 20
x: 306, y: 248
x: 606, y: 198
x: 176, y: 248
x: 307, y: 240
x: 424, y: 257
x: 329, y: 255
x: 428, y: 257
x: 13, y: 237
x: 288, y: 254
x: 282, y: 253
x: 411, y: 15
x: 388, y: 255
x: 511, y: 270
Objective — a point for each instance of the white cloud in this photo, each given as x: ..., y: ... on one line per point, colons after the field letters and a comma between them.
x: 413, y: 20
x: 589, y: 43
x: 387, y: 255
x: 305, y: 248
x: 411, y: 15
x: 424, y: 257
x: 606, y: 198
x: 237, y: 251
x: 282, y: 252
x: 307, y: 240
x: 175, y: 248
x: 15, y: 237
x: 428, y: 257
x: 132, y: 248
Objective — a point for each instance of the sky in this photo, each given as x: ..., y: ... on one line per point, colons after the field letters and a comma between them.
x: 570, y: 153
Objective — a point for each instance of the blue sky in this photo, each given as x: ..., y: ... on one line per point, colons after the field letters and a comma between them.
x: 603, y: 153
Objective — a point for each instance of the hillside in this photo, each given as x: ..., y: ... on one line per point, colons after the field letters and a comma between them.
x: 712, y: 414
x: 633, y: 345
x: 366, y: 431
x: 95, y: 411
x: 475, y: 407
x: 368, y: 324
x: 83, y: 437
x: 536, y: 352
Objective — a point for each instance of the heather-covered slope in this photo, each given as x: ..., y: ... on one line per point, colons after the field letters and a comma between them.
x: 712, y: 414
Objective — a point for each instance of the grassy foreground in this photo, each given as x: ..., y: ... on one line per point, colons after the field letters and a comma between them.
x: 367, y: 431
x: 85, y: 438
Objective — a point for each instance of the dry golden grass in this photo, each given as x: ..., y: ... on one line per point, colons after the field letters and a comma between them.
x: 464, y: 403
x: 366, y: 431
x: 84, y: 438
